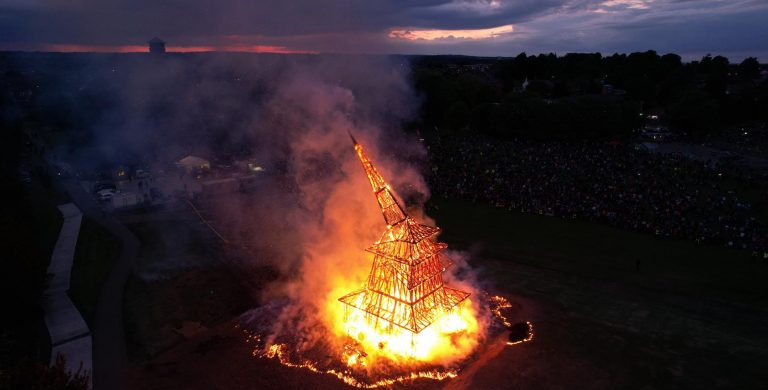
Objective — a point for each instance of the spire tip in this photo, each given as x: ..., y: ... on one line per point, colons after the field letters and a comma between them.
x: 354, y: 141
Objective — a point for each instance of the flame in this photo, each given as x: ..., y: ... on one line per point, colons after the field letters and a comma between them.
x: 399, y: 323
x: 527, y: 339
x: 278, y: 351
x: 451, y: 337
x: 499, y: 303
x: 404, y: 311
x: 356, y: 359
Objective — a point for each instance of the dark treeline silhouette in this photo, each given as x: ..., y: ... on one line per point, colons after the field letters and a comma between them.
x: 579, y: 96
x: 544, y: 97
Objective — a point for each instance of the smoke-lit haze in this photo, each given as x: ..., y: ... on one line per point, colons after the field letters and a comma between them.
x: 337, y: 215
x: 313, y: 214
x: 476, y: 27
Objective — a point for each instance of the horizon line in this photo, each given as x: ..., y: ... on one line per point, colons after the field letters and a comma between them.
x: 267, y: 49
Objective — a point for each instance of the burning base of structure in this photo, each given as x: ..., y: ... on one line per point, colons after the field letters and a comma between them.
x: 402, y: 324
x: 345, y: 358
x: 404, y: 310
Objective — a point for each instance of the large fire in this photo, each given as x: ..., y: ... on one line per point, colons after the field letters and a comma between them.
x: 404, y: 311
x: 403, y: 324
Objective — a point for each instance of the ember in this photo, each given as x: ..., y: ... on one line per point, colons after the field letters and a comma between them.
x: 404, y: 309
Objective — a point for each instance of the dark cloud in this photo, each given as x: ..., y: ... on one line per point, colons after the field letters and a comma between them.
x: 362, y: 26
x: 474, y: 14
x: 99, y: 21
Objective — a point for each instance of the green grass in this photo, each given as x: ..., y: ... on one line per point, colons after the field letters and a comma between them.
x: 155, y: 311
x: 170, y: 238
x: 599, y: 251
x: 96, y: 251
x: 187, y: 284
x: 692, y: 317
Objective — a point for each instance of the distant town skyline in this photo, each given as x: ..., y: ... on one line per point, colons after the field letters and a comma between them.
x: 736, y: 29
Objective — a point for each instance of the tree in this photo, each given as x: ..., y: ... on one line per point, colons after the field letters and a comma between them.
x: 37, y: 376
x: 717, y: 76
x: 749, y: 68
x: 671, y: 61
x: 695, y: 113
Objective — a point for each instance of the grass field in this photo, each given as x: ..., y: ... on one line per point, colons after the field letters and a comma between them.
x: 179, y: 286
x: 95, y: 253
x: 691, y: 317
x: 599, y: 251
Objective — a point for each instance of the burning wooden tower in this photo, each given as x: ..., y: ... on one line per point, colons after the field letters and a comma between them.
x: 405, y: 289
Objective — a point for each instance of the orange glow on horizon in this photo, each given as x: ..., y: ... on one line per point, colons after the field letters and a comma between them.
x: 433, y: 35
x: 240, y: 48
x: 75, y: 48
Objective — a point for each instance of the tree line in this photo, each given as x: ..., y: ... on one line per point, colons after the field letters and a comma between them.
x: 588, y: 95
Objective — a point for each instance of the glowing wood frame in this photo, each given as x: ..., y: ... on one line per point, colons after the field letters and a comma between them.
x: 405, y: 287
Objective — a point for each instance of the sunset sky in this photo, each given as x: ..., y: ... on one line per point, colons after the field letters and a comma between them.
x: 692, y: 28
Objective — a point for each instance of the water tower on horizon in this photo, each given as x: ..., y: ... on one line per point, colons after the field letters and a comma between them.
x: 156, y: 45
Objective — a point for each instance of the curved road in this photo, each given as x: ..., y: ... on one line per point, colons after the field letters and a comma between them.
x: 109, y: 354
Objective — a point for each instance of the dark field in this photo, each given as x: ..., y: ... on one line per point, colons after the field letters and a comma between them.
x: 180, y: 286
x: 690, y: 317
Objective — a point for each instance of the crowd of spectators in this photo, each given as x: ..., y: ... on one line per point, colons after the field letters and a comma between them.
x: 751, y: 140
x: 617, y: 184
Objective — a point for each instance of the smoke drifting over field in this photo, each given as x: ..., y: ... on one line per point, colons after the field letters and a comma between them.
x: 338, y: 216
x: 315, y: 214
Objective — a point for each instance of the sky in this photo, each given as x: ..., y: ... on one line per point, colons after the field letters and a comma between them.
x: 691, y: 28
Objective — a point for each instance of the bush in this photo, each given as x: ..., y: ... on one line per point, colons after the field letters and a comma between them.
x: 37, y: 376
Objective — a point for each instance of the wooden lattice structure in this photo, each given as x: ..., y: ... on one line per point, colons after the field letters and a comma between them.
x: 405, y: 286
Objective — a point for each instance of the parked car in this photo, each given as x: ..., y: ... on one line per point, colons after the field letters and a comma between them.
x: 100, y: 186
x: 105, y: 194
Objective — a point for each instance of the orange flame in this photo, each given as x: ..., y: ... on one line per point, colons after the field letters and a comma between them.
x: 356, y: 358
x: 277, y: 351
x: 404, y: 310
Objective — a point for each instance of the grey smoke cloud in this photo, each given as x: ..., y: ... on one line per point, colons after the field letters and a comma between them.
x: 311, y: 220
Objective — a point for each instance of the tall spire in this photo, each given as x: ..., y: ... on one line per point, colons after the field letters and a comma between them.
x: 390, y: 208
x: 405, y: 286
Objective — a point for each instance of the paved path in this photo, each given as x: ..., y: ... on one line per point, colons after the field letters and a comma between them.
x: 108, y: 333
x: 69, y: 333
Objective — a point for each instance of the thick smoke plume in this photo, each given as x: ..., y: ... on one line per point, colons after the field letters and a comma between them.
x: 334, y: 190
x: 314, y: 214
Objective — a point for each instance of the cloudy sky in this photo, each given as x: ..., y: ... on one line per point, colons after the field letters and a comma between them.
x: 692, y: 28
